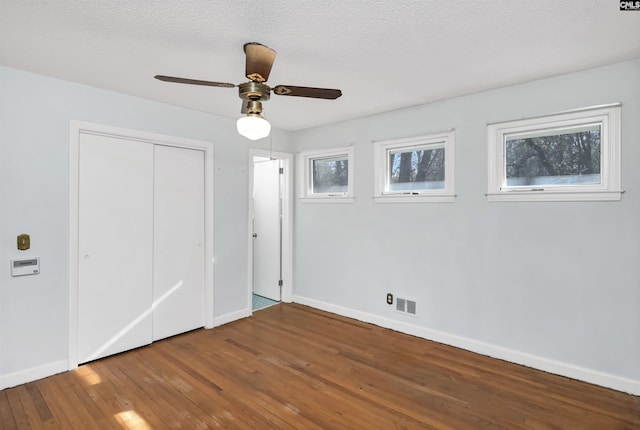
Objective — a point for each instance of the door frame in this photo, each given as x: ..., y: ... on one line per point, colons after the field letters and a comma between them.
x: 76, y: 128
x: 287, y: 224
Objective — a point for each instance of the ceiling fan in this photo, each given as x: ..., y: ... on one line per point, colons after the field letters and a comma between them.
x: 259, y: 61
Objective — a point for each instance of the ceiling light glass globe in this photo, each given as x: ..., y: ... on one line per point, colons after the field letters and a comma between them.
x: 253, y: 127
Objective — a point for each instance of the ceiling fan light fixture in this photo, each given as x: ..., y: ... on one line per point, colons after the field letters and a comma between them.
x: 253, y: 127
x: 259, y: 60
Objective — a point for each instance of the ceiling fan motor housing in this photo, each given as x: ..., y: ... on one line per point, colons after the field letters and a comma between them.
x: 254, y: 91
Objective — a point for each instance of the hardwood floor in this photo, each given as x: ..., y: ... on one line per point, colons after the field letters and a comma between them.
x: 294, y: 367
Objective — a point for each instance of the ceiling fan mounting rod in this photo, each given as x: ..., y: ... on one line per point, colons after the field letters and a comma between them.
x: 254, y: 91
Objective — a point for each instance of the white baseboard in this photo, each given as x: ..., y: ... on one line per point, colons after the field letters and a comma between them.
x: 548, y: 365
x: 232, y: 316
x: 552, y: 366
x: 28, y: 375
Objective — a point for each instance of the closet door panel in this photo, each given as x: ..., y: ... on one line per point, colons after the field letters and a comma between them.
x: 178, y: 256
x: 115, y: 245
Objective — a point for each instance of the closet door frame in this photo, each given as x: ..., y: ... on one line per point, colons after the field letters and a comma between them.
x: 80, y: 127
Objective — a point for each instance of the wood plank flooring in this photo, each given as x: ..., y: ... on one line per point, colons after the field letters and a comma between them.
x: 293, y: 367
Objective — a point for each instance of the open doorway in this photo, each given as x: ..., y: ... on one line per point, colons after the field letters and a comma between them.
x: 270, y: 227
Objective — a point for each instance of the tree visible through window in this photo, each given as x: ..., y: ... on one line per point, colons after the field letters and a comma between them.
x: 326, y: 175
x: 330, y: 175
x: 562, y: 156
x: 568, y: 156
x: 416, y: 169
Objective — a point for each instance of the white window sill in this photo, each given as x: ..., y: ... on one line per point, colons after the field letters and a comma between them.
x: 555, y: 196
x: 328, y: 199
x: 415, y: 198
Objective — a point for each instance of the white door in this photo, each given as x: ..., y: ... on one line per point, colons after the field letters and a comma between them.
x: 115, y: 241
x: 178, y: 252
x: 266, y: 228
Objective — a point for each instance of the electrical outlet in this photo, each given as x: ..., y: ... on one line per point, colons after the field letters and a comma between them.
x: 389, y: 298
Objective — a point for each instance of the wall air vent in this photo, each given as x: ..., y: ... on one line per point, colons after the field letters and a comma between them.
x: 411, y: 307
x: 406, y: 306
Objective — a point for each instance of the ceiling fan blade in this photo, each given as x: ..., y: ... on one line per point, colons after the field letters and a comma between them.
x: 260, y: 58
x: 193, y: 81
x: 316, y: 93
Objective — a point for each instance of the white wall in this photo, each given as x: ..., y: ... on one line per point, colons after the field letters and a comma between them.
x: 551, y: 285
x: 34, y: 181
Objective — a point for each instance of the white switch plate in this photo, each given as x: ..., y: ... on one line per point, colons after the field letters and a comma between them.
x: 25, y: 266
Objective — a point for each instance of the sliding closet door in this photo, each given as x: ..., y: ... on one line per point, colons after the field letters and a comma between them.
x: 115, y: 245
x: 178, y: 256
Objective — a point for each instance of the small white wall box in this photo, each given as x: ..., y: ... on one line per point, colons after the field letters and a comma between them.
x: 25, y: 266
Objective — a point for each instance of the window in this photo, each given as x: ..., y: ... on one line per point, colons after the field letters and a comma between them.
x: 568, y: 156
x: 326, y: 175
x: 418, y: 169
x: 330, y: 175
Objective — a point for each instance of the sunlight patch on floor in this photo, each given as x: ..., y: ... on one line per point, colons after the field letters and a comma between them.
x: 131, y: 420
x: 88, y: 375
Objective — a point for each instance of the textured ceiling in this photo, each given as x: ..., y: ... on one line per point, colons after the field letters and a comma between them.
x: 383, y: 54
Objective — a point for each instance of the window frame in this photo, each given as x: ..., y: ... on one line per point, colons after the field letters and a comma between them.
x: 382, y: 194
x: 607, y: 116
x: 305, y: 178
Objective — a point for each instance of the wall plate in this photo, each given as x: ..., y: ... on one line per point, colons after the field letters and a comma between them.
x: 25, y: 266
